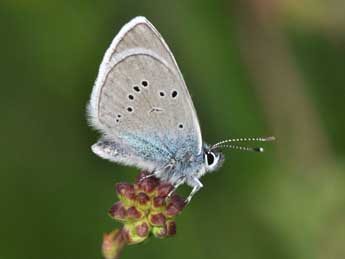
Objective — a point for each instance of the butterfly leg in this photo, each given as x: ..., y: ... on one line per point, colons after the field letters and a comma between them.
x: 153, y: 174
x: 197, y: 186
x: 158, y: 173
x: 178, y: 183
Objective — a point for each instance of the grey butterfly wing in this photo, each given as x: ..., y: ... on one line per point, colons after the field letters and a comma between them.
x: 140, y: 101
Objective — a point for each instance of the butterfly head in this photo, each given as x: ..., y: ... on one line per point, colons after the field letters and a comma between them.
x: 213, y: 158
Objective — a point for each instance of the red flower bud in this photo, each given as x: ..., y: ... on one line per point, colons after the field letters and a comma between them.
x: 136, y: 232
x: 147, y: 185
x: 164, y: 189
x: 118, y: 211
x: 178, y: 202
x: 175, y: 206
x: 133, y: 213
x: 142, y: 229
x: 171, y: 227
x: 158, y: 202
x: 125, y: 191
x: 142, y: 198
x: 157, y: 219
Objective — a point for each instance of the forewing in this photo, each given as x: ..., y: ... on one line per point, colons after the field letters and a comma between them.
x: 140, y: 99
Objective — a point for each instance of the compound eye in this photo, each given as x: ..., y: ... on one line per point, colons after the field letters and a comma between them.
x: 210, y: 158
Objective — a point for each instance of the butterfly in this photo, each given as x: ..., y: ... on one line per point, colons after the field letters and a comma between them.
x: 142, y: 107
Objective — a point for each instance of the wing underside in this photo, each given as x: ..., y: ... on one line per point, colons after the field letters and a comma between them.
x: 140, y: 100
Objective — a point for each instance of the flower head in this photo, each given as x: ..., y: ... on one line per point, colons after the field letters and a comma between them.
x: 145, y: 209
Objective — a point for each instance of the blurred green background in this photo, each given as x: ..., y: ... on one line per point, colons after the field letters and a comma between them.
x: 254, y: 68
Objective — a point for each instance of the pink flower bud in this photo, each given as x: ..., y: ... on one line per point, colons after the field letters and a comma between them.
x: 175, y: 206
x: 148, y: 185
x: 118, y: 211
x: 136, y: 232
x: 125, y: 191
x: 143, y: 201
x: 178, y: 202
x: 142, y: 229
x: 164, y: 189
x: 171, y: 227
x: 158, y: 202
x: 157, y: 219
x: 134, y: 213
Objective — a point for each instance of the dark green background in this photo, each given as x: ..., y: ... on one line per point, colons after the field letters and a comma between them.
x: 254, y: 68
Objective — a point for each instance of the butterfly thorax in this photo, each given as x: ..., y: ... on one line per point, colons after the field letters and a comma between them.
x: 187, y: 167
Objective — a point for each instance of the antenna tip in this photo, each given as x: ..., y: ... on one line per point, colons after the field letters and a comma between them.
x: 271, y: 138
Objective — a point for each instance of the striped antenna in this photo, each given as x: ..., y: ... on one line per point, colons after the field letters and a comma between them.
x: 222, y: 144
x: 253, y: 149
